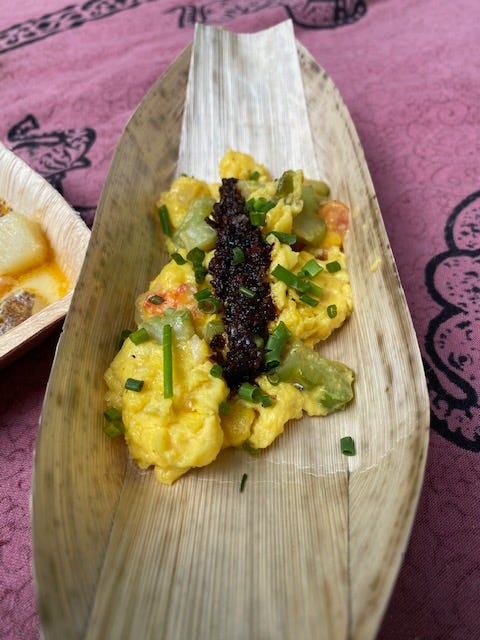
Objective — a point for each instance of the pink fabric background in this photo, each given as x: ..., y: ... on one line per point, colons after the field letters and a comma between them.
x: 408, y: 71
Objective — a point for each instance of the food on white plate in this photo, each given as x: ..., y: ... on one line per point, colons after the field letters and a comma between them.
x: 30, y: 278
x: 224, y: 354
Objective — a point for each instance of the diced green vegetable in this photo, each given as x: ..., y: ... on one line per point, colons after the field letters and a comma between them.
x: 179, y: 319
x: 329, y: 381
x: 194, y: 231
x: 285, y: 184
x: 308, y: 225
x: 214, y: 328
x: 322, y: 190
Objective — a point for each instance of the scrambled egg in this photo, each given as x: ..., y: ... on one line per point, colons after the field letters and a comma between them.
x: 190, y: 428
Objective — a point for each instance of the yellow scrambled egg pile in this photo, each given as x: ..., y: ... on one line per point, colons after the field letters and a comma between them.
x: 190, y: 428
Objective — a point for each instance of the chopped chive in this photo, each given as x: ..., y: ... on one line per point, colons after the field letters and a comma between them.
x: 347, y: 445
x: 114, y: 429
x: 178, y: 258
x: 286, y: 238
x: 139, y: 336
x: 254, y: 175
x: 253, y: 451
x: 333, y: 266
x: 250, y: 392
x: 200, y: 273
x: 167, y: 361
x: 224, y: 408
x: 133, y: 385
x: 156, y: 299
x: 273, y: 378
x: 315, y: 289
x: 238, y: 255
x: 262, y: 205
x: 196, y: 255
x: 123, y: 336
x: 289, y: 278
x: 312, y: 302
x: 216, y: 371
x: 266, y: 400
x: 209, y: 305
x: 257, y: 218
x: 243, y: 481
x: 112, y: 413
x: 248, y: 293
x: 312, y: 268
x: 332, y: 310
x: 275, y: 344
x: 165, y: 220
x: 203, y: 294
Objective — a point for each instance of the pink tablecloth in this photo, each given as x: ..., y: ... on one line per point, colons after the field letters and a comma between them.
x: 70, y: 75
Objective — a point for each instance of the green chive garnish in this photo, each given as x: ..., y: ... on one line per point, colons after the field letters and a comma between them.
x: 250, y: 392
x: 248, y: 293
x: 123, y: 336
x: 254, y: 175
x: 243, y: 481
x: 286, y: 238
x: 347, y: 445
x: 203, y: 294
x: 275, y: 344
x: 165, y: 220
x: 249, y: 449
x: 216, y: 371
x: 112, y: 414
x: 178, y: 258
x: 167, y: 361
x: 224, y: 408
x: 333, y: 266
x: 289, y: 278
x: 133, y: 385
x: 196, y: 255
x: 332, y: 310
x: 209, y: 305
x: 312, y: 302
x: 257, y: 218
x: 114, y: 429
x: 139, y: 336
x: 156, y: 299
x: 315, y: 289
x: 312, y: 268
x: 238, y: 255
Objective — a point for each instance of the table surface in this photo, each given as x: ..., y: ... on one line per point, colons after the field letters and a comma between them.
x: 71, y: 73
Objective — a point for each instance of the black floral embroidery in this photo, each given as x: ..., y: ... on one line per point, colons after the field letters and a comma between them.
x: 310, y: 14
x: 452, y: 342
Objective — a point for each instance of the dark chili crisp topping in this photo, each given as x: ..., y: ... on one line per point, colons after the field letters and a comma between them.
x: 242, y: 287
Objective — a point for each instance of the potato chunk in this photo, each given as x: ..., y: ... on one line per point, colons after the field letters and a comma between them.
x: 22, y: 244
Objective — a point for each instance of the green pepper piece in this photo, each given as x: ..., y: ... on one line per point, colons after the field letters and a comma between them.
x: 329, y: 382
x: 180, y: 321
x: 285, y: 184
x: 308, y: 225
x: 194, y: 231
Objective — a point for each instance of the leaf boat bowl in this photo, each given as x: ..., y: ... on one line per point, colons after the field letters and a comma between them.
x: 312, y: 546
x: 26, y: 192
